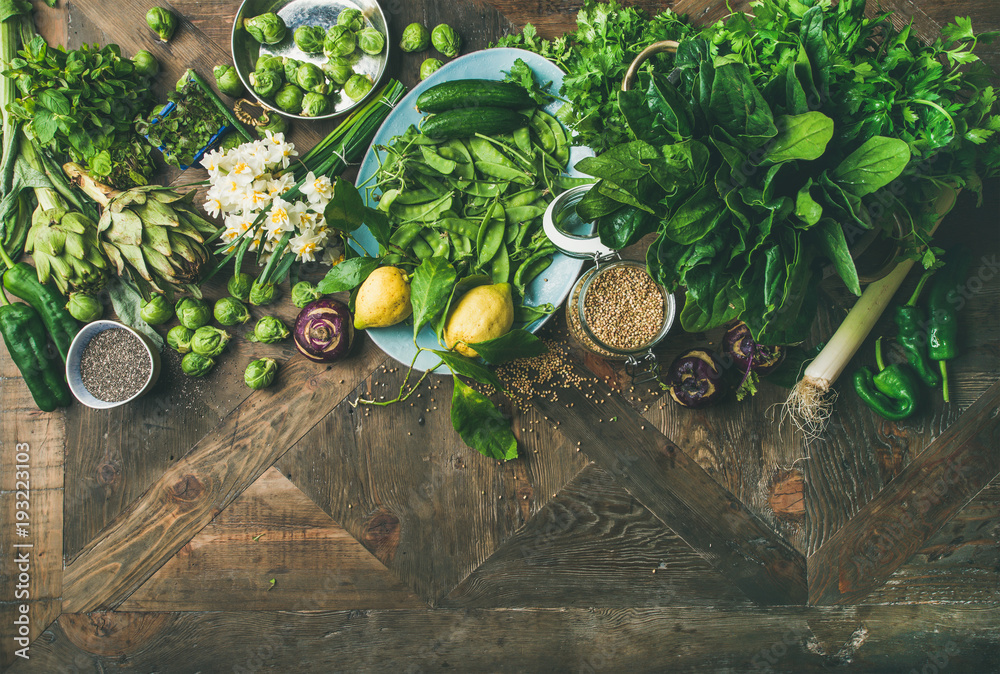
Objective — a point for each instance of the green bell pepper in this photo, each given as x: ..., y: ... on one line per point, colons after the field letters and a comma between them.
x: 894, y: 392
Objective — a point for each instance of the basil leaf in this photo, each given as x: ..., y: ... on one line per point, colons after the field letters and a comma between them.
x: 466, y: 367
x: 513, y: 344
x: 801, y: 137
x: 872, y: 166
x: 480, y: 424
x: 348, y: 274
x: 834, y: 244
x: 430, y: 289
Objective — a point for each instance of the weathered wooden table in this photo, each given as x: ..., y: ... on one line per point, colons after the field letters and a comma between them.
x: 208, y: 528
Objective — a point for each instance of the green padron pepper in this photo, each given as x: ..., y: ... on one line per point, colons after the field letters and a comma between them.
x: 943, y: 302
x: 910, y: 321
x: 24, y: 334
x: 894, y: 392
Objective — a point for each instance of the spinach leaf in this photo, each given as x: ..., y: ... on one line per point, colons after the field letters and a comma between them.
x: 348, y: 274
x: 800, y: 137
x: 872, y: 166
x: 814, y: 43
x: 513, y: 344
x: 738, y: 107
x: 673, y: 112
x: 625, y: 227
x: 595, y: 204
x: 430, y: 289
x: 480, y: 424
x: 806, y: 208
x: 622, y: 166
x: 834, y: 245
x: 695, y: 217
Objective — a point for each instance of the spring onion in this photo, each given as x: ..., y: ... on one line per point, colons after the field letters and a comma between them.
x: 810, y: 402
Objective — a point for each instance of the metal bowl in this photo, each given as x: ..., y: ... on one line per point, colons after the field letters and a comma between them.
x: 297, y: 13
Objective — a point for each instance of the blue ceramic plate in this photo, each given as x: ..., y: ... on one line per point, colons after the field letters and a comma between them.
x: 551, y: 286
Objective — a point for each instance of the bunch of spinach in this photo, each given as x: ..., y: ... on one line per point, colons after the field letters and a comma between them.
x: 81, y: 104
x: 595, y: 58
x: 434, y: 286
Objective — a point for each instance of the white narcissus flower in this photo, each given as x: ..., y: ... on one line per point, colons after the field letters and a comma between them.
x: 317, y: 189
x: 306, y: 245
x: 282, y: 218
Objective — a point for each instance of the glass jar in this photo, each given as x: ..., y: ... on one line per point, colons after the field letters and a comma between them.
x: 618, y: 311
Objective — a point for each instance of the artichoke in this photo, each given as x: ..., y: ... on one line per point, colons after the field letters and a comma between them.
x: 266, y: 28
x: 260, y: 373
x: 145, y: 63
x: 429, y: 67
x: 228, y: 80
x: 357, y: 87
x: 266, y: 83
x: 162, y: 22
x: 416, y: 37
x: 315, y: 105
x: 339, y: 42
x: 351, y: 18
x: 152, y: 234
x: 289, y: 99
x: 66, y: 248
x: 309, y: 38
x: 371, y: 41
x: 84, y: 308
x: 446, y: 40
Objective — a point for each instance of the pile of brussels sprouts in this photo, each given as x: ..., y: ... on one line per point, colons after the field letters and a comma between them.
x: 416, y: 38
x: 301, y: 87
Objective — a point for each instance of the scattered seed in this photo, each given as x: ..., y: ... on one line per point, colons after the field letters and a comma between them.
x: 115, y: 365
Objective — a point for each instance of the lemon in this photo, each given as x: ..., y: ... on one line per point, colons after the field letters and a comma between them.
x: 383, y: 299
x: 483, y: 313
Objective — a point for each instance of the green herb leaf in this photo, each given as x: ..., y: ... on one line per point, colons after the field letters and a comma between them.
x: 480, y: 424
x: 873, y: 165
x: 346, y: 209
x: 834, y: 244
x: 800, y: 137
x: 348, y: 274
x: 430, y: 288
x: 466, y: 367
x: 513, y: 344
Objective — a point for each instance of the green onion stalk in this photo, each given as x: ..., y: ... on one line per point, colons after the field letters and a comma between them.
x: 15, y: 207
x: 330, y: 157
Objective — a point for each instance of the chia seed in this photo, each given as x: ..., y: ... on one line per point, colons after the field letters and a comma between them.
x: 115, y: 365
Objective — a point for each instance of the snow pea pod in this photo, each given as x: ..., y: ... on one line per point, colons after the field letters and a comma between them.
x: 504, y: 172
x: 484, y: 151
x: 500, y: 266
x: 531, y: 268
x: 422, y: 249
x: 436, y: 161
x: 546, y: 139
x: 523, y: 198
x: 438, y: 243
x: 490, y: 235
x: 522, y: 138
x: 459, y: 226
x: 405, y: 234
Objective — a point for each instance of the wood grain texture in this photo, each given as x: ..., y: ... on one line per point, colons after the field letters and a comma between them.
x: 678, y: 491
x: 404, y: 484
x: 594, y: 545
x: 897, y: 523
x: 685, y: 639
x: 271, y: 532
x: 31, y: 481
x: 203, y: 482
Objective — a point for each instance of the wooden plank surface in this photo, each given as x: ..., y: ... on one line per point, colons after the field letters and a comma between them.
x: 686, y: 639
x: 272, y: 532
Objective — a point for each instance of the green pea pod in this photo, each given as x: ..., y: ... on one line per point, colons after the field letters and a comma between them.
x: 519, y: 214
x: 522, y: 138
x: 411, y: 197
x: 490, y: 240
x: 485, y: 190
x: 546, y: 139
x: 523, y: 198
x: 485, y: 151
x: 421, y: 249
x: 432, y: 183
x: 531, y: 268
x: 563, y: 183
x: 439, y: 244
x: 459, y: 226
x: 504, y: 172
x: 510, y: 233
x: 405, y: 234
x: 436, y: 161
x: 423, y: 212
x: 561, y: 151
x: 500, y: 266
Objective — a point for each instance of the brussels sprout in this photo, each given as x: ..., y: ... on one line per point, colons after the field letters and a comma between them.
x: 209, y: 341
x: 303, y: 293
x: 230, y: 311
x: 291, y: 65
x: 145, y: 63
x: 357, y: 87
x: 84, y: 308
x: 351, y: 18
x: 179, y: 339
x: 416, y: 37
x: 230, y: 141
x: 193, y: 313
x: 266, y: 83
x: 269, y: 62
x: 269, y: 330
x: 429, y: 67
x: 261, y: 293
x: 338, y: 70
x: 228, y: 81
x: 266, y: 28
x: 157, y: 310
x: 309, y: 38
x: 446, y: 40
x: 260, y: 373
x: 310, y: 77
x: 239, y: 284
x: 162, y: 22
x: 289, y: 99
x: 371, y: 41
x: 196, y: 365
x: 315, y: 105
x: 274, y: 124
x: 339, y: 42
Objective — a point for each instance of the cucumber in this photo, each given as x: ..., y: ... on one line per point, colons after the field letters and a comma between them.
x: 463, y: 122
x: 474, y: 94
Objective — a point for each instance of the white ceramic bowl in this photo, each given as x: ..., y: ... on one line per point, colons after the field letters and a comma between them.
x: 76, y: 348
